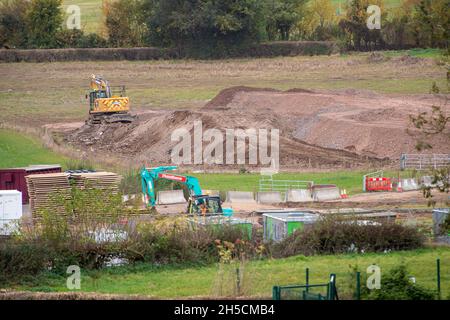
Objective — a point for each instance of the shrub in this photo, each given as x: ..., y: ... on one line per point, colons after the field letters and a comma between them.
x: 56, y: 244
x: 13, y: 23
x: 44, y: 21
x: 333, y: 234
x: 125, y: 22
x: 77, y: 39
x: 206, y: 27
x: 396, y: 285
x: 93, y: 40
x: 169, y: 241
x: 19, y: 260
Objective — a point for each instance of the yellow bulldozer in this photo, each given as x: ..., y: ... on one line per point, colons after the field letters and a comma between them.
x: 107, y: 104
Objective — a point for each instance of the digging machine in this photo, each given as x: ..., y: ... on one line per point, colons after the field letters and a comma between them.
x: 198, y: 203
x: 107, y: 104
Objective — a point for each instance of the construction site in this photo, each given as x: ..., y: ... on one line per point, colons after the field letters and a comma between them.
x: 346, y: 152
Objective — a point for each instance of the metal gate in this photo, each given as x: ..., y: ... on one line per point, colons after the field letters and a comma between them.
x: 424, y: 161
x: 267, y: 183
x: 326, y: 291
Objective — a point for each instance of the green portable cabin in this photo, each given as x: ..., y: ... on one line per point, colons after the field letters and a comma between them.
x: 280, y: 224
x: 220, y: 220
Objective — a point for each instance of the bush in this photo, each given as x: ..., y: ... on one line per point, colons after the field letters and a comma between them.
x: 21, y: 260
x: 333, y: 234
x: 125, y: 22
x: 55, y: 244
x: 13, y: 27
x: 92, y: 40
x: 44, y: 21
x: 77, y: 39
x: 396, y: 285
x: 206, y: 27
x: 177, y: 242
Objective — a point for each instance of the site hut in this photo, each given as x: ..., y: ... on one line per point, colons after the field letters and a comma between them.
x: 14, y: 178
x: 10, y: 211
x: 219, y: 221
x: 280, y: 224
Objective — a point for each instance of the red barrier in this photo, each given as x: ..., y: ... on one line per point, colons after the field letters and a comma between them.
x: 378, y: 184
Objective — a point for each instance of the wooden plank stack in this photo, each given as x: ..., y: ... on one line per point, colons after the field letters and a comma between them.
x: 43, y: 188
x: 97, y: 180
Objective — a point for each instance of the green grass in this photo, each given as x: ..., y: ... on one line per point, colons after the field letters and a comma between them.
x: 349, y: 180
x: 171, y: 282
x: 91, y: 14
x: 18, y: 150
x: 27, y: 100
x: 419, y: 53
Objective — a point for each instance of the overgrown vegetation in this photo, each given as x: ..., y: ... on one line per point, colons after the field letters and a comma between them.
x: 92, y: 227
x: 435, y: 122
x: 222, y: 28
x: 333, y: 235
x: 39, y: 24
x: 125, y: 23
x: 397, y: 284
x: 181, y: 281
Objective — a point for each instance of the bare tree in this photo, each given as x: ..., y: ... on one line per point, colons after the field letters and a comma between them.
x: 435, y: 122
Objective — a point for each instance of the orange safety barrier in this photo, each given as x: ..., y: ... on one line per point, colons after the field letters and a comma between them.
x: 378, y: 184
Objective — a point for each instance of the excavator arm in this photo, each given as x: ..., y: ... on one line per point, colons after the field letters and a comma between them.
x: 150, y: 175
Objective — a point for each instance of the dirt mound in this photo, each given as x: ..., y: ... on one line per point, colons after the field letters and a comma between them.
x: 317, y: 129
x: 377, y: 115
x: 226, y: 96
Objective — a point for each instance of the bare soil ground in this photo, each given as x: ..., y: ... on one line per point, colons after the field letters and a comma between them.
x: 374, y: 200
x: 332, y: 128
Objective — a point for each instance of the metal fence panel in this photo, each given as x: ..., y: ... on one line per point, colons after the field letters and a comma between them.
x: 424, y: 161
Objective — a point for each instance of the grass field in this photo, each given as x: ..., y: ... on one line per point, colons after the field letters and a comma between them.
x: 18, y: 150
x: 91, y: 14
x: 259, y: 276
x: 349, y: 180
x: 39, y: 93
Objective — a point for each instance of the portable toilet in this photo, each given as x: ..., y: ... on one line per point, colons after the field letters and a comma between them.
x: 280, y: 224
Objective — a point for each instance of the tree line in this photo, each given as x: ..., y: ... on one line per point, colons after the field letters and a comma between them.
x: 224, y: 25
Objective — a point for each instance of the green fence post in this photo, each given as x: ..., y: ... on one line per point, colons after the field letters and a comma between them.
x: 276, y: 293
x: 332, y: 287
x: 358, y: 285
x: 307, y: 279
x: 328, y: 290
x: 438, y: 271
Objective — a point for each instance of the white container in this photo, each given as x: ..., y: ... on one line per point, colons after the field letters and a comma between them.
x: 10, y: 211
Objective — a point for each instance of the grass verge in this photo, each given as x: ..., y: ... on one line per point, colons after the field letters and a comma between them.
x: 17, y: 149
x: 179, y: 281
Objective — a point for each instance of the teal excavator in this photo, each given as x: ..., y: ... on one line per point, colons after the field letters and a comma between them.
x: 198, y: 203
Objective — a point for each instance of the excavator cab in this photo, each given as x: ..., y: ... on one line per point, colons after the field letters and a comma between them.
x: 107, y: 104
x: 204, y: 205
